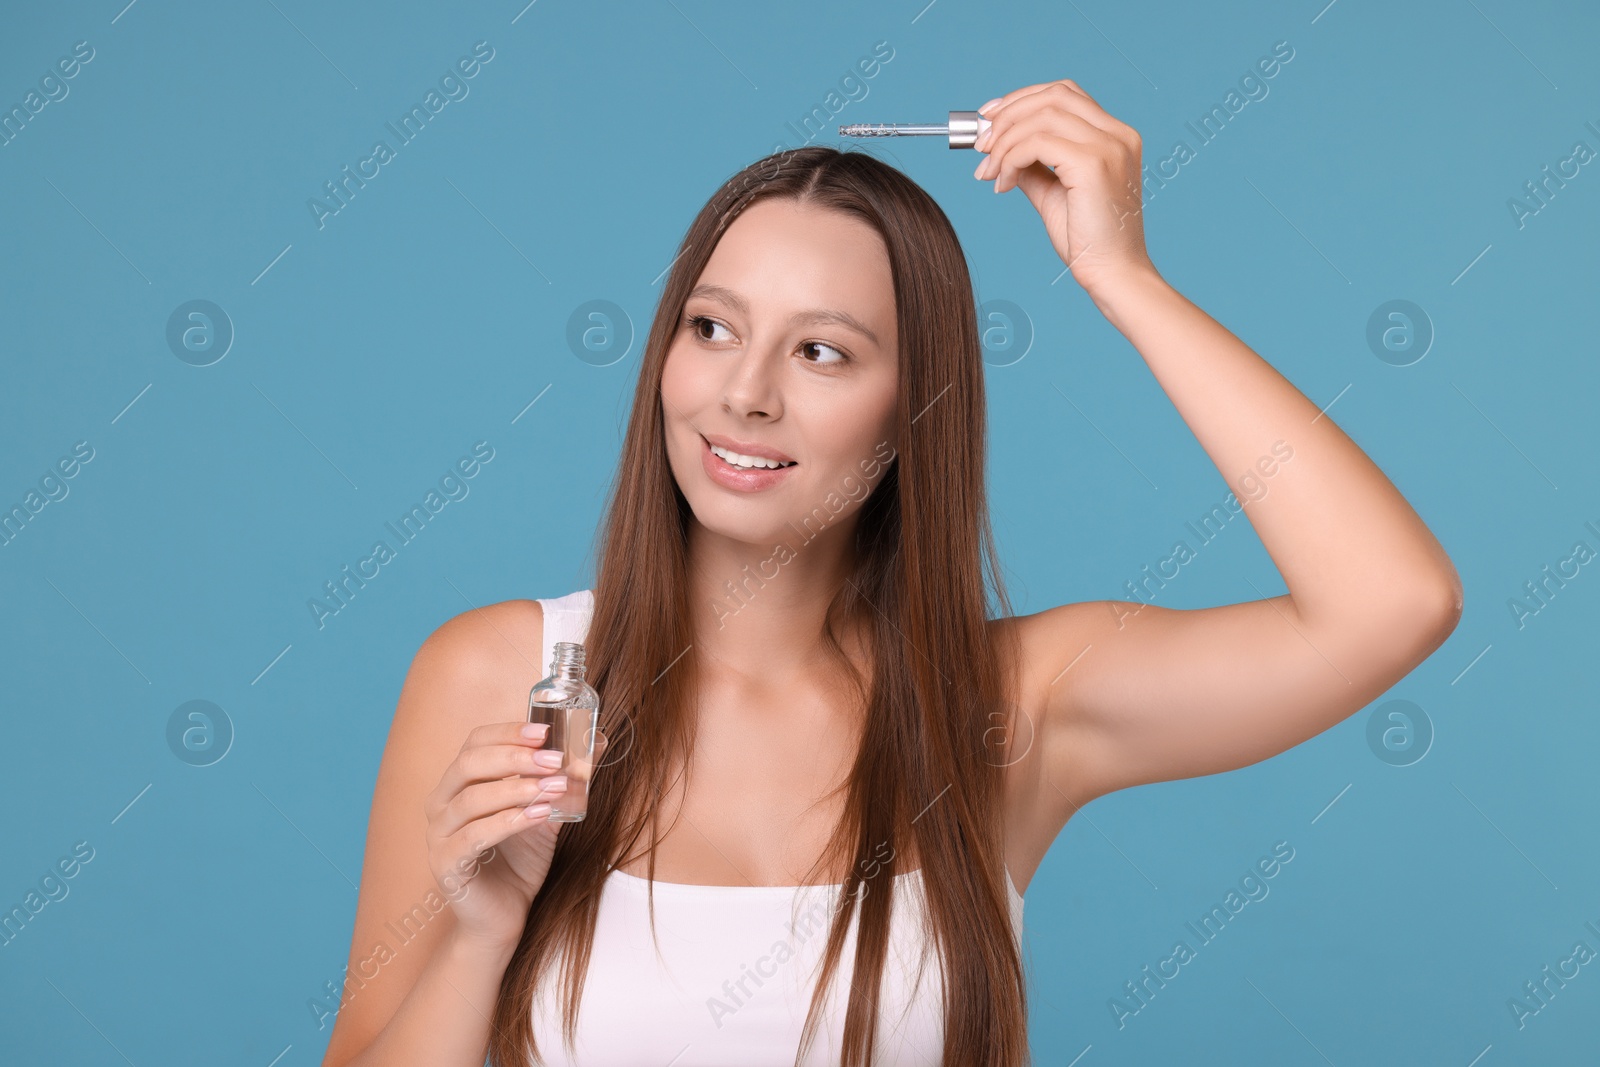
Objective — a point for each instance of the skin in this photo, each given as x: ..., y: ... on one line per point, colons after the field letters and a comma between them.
x: 1110, y: 696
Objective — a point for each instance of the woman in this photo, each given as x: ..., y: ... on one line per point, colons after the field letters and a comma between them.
x: 803, y: 687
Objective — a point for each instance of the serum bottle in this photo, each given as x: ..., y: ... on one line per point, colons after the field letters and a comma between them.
x: 569, y: 705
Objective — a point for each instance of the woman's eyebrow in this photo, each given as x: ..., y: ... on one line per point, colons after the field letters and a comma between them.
x: 727, y: 296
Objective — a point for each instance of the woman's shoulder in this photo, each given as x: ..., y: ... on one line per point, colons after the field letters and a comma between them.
x: 488, y: 656
x: 487, y: 638
x: 503, y: 641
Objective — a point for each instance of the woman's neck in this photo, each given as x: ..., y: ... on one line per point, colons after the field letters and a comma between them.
x: 760, y: 611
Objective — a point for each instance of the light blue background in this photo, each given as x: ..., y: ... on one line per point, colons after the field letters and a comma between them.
x: 428, y: 313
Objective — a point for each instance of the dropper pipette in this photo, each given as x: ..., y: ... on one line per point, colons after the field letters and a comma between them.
x: 963, y: 128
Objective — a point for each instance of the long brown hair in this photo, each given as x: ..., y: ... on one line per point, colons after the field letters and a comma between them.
x: 937, y: 705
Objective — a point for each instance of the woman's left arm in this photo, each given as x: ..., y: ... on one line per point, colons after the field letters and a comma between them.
x: 1155, y: 694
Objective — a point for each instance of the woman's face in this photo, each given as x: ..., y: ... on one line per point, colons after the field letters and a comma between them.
x: 787, y: 344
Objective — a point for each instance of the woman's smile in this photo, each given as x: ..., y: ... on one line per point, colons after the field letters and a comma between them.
x: 740, y: 479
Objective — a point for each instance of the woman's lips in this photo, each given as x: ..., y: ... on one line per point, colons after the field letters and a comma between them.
x: 728, y: 476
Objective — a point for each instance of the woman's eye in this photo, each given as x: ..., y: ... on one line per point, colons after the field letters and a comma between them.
x: 697, y: 322
x: 842, y: 358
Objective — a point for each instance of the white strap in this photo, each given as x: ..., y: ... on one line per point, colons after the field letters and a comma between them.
x: 566, y: 618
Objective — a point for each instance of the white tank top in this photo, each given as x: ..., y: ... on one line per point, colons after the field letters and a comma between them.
x: 736, y: 967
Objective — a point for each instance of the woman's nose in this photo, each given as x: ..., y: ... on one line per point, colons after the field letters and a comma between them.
x: 752, y: 387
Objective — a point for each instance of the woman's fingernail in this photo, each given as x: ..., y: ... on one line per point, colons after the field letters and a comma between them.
x: 536, y: 811
x: 984, y: 110
x: 535, y: 730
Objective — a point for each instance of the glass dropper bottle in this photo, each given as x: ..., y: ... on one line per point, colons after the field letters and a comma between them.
x: 569, y: 705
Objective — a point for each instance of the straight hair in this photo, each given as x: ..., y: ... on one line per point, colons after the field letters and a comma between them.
x: 936, y: 699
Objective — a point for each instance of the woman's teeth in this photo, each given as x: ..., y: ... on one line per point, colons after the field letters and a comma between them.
x: 736, y: 460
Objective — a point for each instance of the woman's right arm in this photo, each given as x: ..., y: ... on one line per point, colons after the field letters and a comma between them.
x: 419, y: 988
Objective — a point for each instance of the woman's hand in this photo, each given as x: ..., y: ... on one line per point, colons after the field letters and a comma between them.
x: 1090, y: 201
x: 494, y: 798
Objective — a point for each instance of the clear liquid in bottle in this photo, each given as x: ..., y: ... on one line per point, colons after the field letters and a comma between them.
x: 570, y: 707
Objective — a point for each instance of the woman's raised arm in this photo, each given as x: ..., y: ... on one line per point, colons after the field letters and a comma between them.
x: 1139, y: 693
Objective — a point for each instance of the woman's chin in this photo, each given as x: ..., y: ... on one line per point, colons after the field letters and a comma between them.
x: 759, y: 526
